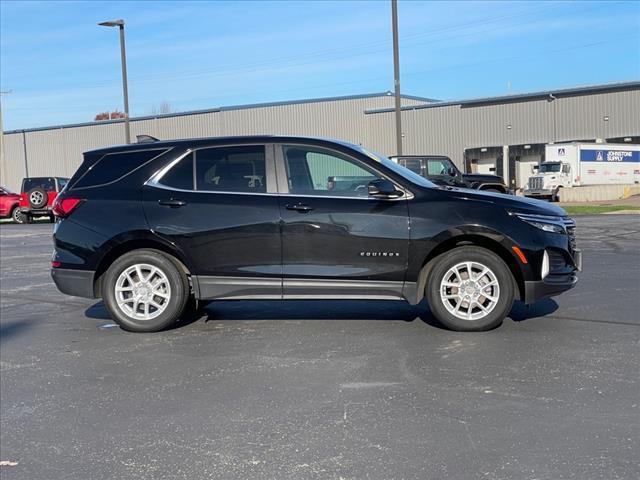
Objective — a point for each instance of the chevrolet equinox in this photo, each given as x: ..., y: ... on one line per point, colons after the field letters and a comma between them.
x: 154, y: 227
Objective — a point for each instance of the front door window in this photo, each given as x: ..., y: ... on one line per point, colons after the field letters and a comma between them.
x: 312, y: 171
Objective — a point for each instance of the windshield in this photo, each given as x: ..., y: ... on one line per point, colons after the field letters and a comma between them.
x: 550, y: 167
x: 399, y: 169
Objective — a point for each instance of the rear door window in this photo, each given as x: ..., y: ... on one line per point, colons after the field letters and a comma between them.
x: 180, y: 176
x: 413, y: 164
x: 436, y: 166
x: 231, y: 169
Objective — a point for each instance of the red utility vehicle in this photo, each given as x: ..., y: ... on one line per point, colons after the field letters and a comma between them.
x: 38, y: 194
x: 9, y: 205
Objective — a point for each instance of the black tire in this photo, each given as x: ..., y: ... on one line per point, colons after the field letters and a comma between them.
x: 38, y: 197
x: 16, y: 215
x: 177, y: 281
x: 52, y: 218
x: 442, y: 265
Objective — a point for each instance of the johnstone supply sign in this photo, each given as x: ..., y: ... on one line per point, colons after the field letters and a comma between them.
x: 598, y: 164
x: 609, y: 156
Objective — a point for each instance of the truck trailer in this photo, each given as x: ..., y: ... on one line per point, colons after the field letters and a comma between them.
x: 577, y: 164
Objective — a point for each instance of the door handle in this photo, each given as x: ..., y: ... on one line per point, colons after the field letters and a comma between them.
x: 300, y: 207
x: 173, y: 203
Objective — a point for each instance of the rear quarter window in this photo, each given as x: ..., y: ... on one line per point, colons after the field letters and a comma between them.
x: 114, y: 166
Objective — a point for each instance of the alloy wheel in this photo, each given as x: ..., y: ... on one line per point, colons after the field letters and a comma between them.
x: 469, y: 290
x: 142, y: 291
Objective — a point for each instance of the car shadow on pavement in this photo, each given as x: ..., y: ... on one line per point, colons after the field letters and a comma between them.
x: 521, y: 312
x: 12, y: 329
x: 388, y: 310
x: 97, y: 311
x: 220, y: 310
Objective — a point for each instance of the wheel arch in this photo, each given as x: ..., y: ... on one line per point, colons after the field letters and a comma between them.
x: 473, y: 239
x: 493, y: 186
x: 147, y: 243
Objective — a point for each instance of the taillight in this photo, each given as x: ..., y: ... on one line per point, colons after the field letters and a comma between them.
x: 63, y: 206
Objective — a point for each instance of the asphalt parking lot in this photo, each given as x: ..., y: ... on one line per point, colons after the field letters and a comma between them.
x: 327, y: 390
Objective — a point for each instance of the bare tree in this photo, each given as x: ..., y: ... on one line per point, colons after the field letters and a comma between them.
x: 164, y: 107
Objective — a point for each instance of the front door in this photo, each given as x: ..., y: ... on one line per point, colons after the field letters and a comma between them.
x: 220, y: 207
x: 336, y: 240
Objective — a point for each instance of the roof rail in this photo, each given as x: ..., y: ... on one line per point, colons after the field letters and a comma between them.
x: 146, y: 139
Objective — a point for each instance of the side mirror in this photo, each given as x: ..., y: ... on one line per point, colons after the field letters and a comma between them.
x: 383, y: 188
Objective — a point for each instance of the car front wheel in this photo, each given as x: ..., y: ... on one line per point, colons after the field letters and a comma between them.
x: 17, y: 215
x: 470, y: 289
x: 144, y: 291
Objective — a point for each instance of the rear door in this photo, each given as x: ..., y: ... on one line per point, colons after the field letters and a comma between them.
x: 219, y: 206
x: 336, y: 240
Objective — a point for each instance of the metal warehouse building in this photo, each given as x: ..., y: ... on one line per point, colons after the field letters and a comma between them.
x: 503, y: 134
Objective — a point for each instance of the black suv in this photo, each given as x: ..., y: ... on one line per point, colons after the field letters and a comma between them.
x: 442, y: 171
x: 151, y: 226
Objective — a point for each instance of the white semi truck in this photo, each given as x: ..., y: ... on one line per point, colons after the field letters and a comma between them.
x: 576, y: 164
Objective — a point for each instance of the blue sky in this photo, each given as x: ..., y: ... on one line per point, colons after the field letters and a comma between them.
x: 63, y: 68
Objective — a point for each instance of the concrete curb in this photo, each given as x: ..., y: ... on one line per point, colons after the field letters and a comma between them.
x: 622, y: 212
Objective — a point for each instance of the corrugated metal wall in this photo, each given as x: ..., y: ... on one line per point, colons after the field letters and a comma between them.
x: 449, y: 130
x: 58, y: 152
x: 445, y: 130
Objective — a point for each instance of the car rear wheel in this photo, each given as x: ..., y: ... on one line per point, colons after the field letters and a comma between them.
x: 144, y: 291
x: 470, y: 289
x: 17, y: 215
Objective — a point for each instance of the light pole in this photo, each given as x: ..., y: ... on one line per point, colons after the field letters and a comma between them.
x: 3, y: 165
x: 125, y: 92
x: 396, y: 75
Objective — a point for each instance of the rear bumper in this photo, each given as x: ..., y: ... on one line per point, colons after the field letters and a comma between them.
x: 549, y: 287
x: 78, y: 283
x: 36, y: 211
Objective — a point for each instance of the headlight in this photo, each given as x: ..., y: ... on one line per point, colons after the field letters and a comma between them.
x: 548, y: 223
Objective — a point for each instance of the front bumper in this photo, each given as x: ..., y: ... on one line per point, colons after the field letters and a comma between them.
x: 78, y: 283
x: 551, y: 286
x: 543, y: 192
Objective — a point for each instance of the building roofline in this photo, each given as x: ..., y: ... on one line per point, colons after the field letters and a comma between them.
x: 210, y: 141
x: 523, y: 97
x: 222, y: 109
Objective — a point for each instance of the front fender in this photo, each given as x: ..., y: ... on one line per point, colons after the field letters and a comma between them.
x: 485, y: 237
